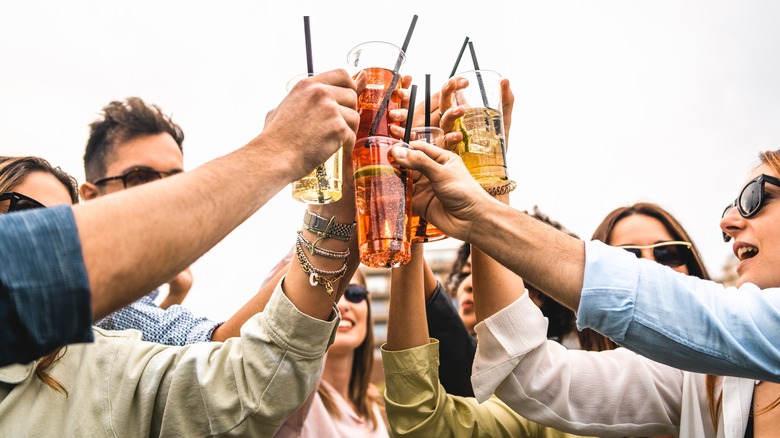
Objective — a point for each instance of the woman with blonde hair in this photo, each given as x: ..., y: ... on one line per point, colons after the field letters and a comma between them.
x: 646, y: 397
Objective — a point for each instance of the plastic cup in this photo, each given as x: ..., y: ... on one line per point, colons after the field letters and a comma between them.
x: 483, y: 148
x: 381, y: 62
x: 383, y: 203
x: 323, y: 184
x: 422, y: 230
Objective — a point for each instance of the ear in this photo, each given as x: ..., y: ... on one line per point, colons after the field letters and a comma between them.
x: 89, y: 191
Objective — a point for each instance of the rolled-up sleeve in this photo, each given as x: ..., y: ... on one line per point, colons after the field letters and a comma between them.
x: 175, y: 325
x: 44, y: 291
x: 680, y: 320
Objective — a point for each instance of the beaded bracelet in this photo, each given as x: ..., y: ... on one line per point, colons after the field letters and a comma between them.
x: 502, y: 189
x: 316, y: 250
x: 316, y: 275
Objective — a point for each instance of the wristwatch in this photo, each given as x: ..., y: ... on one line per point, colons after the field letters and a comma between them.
x: 323, y: 227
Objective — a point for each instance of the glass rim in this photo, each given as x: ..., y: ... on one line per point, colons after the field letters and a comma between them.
x: 372, y: 42
x: 474, y: 71
x: 381, y: 137
x: 297, y: 78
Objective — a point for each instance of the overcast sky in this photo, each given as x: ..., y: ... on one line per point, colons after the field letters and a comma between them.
x: 616, y: 101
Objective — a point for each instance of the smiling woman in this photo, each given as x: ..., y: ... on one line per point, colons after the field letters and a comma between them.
x: 345, y: 403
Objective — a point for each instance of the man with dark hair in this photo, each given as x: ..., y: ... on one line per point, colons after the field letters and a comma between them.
x: 131, y: 144
x: 134, y: 143
x: 123, y: 123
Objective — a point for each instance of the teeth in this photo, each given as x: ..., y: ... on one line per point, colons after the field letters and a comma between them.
x: 345, y: 323
x: 746, y: 252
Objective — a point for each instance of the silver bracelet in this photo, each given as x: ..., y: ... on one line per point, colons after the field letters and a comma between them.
x: 328, y: 228
x: 316, y: 250
x: 316, y: 275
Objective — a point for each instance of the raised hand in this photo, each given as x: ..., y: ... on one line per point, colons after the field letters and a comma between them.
x: 445, y: 193
x: 317, y: 116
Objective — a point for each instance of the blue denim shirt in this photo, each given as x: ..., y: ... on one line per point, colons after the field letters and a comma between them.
x: 173, y: 326
x: 680, y: 320
x: 45, y: 298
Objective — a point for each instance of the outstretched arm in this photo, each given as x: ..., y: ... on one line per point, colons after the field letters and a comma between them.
x: 187, y: 214
x: 713, y: 332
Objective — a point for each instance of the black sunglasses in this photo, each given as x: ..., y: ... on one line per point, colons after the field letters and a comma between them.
x: 355, y: 293
x: 136, y: 177
x: 751, y: 198
x: 17, y: 202
x: 673, y: 254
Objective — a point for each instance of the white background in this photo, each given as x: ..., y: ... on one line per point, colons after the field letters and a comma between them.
x: 616, y: 101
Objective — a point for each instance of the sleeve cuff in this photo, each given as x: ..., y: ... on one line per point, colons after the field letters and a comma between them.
x: 513, y: 331
x: 296, y: 331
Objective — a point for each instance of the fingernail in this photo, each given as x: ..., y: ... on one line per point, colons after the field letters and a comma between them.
x: 399, y: 152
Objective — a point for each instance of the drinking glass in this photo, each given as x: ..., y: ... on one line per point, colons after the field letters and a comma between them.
x: 422, y: 230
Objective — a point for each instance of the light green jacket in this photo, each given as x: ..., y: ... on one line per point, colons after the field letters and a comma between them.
x: 122, y: 386
x: 418, y: 406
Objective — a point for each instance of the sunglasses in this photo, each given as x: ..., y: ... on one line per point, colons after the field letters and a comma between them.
x: 12, y: 201
x: 751, y: 198
x: 355, y: 293
x: 673, y: 254
x: 137, y: 176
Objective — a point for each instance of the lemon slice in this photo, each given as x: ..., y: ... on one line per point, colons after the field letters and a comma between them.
x: 375, y: 170
x: 459, y: 126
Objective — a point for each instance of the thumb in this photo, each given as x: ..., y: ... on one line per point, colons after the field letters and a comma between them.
x: 421, y: 156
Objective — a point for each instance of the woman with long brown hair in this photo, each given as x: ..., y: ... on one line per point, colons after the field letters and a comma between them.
x: 32, y: 182
x: 346, y: 403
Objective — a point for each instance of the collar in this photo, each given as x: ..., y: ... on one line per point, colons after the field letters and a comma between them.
x: 16, y: 373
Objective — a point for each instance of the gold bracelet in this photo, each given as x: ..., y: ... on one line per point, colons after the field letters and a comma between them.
x: 502, y: 189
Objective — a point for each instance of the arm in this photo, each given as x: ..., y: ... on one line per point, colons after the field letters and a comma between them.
x: 178, y: 288
x: 406, y: 322
x: 44, y: 291
x: 718, y: 330
x: 567, y: 389
x: 418, y: 406
x: 185, y: 216
x: 416, y: 403
x: 449, y: 198
x: 246, y: 386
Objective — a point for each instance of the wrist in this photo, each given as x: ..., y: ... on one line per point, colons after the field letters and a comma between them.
x: 329, y: 227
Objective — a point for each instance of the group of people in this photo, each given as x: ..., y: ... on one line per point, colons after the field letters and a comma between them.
x: 655, y: 348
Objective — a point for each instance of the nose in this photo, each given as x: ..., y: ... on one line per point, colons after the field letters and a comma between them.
x: 731, y: 223
x: 647, y: 253
x: 343, y: 303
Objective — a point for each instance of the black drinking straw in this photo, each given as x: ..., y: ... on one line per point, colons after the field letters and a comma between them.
x: 319, y: 171
x: 410, y: 114
x: 428, y: 108
x: 307, y: 34
x: 394, y: 82
x: 479, y: 76
x: 460, y: 55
